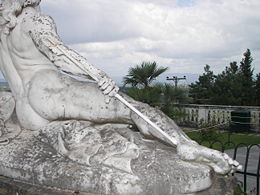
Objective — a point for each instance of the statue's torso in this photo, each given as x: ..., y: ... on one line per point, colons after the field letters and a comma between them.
x: 20, y: 61
x: 26, y: 57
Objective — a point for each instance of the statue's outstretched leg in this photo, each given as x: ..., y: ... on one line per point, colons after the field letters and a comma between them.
x: 187, y: 149
x: 67, y: 98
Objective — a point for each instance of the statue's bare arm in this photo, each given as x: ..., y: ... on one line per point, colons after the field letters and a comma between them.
x: 44, y: 34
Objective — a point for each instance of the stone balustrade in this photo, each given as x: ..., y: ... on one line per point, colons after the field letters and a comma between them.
x: 216, y: 114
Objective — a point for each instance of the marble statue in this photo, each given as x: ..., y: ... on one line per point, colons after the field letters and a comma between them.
x: 78, y: 118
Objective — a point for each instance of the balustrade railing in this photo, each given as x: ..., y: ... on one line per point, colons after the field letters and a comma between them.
x: 200, y: 115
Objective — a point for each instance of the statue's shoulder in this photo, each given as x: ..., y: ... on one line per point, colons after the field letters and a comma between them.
x: 37, y: 22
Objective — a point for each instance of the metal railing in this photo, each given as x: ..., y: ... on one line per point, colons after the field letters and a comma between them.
x: 246, y: 172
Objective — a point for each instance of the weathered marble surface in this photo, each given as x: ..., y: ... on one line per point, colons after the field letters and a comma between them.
x: 157, y: 168
x: 7, y: 106
x: 7, y: 103
x: 99, y: 159
x: 223, y: 186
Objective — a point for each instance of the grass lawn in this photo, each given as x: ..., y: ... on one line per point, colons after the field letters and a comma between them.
x: 223, y: 138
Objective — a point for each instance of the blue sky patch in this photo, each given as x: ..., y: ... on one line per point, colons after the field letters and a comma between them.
x: 185, y: 3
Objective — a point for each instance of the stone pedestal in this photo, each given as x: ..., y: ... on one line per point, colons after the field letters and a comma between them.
x: 80, y: 156
x: 221, y: 186
x: 157, y: 169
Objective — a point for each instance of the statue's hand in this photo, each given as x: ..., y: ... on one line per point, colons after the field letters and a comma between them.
x: 108, y: 87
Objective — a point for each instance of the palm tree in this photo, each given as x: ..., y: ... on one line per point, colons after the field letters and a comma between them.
x: 143, y: 74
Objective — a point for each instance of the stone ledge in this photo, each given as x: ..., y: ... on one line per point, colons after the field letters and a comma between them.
x: 13, y: 187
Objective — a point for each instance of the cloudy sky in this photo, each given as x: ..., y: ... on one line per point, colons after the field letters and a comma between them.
x: 181, y: 34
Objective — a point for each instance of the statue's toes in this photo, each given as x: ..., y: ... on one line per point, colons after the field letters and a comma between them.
x: 232, y: 162
x: 227, y: 165
x: 236, y: 164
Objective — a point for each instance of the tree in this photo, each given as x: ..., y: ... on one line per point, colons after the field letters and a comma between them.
x: 149, y: 95
x: 257, y: 89
x: 164, y: 96
x: 247, y: 92
x: 201, y: 91
x: 171, y: 97
x: 143, y: 74
x: 227, y: 87
x: 171, y: 94
x: 234, y: 86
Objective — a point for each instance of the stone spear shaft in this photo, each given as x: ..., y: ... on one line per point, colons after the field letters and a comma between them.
x: 155, y: 130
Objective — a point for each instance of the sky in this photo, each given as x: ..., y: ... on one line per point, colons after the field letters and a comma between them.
x: 183, y: 35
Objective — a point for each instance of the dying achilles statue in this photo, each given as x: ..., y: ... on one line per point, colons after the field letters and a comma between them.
x: 78, y: 118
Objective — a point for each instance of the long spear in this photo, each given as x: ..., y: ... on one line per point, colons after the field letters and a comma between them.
x: 155, y: 130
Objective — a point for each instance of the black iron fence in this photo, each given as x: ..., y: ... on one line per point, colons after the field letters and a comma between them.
x: 249, y: 157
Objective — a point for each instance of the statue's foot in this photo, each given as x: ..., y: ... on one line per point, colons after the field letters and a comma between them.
x: 220, y: 162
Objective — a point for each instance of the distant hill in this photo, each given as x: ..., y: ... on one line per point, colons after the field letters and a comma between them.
x: 1, y: 76
x: 190, y: 78
x: 3, y: 83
